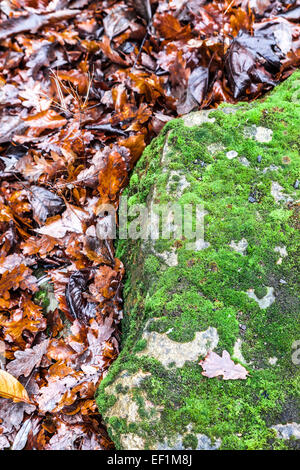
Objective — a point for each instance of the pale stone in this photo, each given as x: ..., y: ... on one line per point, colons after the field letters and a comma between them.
x: 166, y: 149
x: 281, y: 250
x: 181, y: 183
x: 286, y: 431
x: 231, y: 154
x: 125, y: 406
x: 197, y: 118
x: 132, y: 442
x: 273, y: 361
x: 237, y: 351
x: 201, y: 245
x: 230, y: 110
x: 167, y: 351
x: 266, y: 301
x: 259, y: 133
x: 263, y: 134
x: 270, y: 168
x: 244, y: 161
x: 204, y: 443
x: 169, y: 257
x: 278, y: 195
x: 215, y: 148
x: 128, y: 380
x: 239, y: 247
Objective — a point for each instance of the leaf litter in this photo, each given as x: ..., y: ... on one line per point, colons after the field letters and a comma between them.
x: 84, y: 87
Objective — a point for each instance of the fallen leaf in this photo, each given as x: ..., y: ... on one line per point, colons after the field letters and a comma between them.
x: 21, y: 437
x: 26, y: 361
x: 214, y: 365
x: 79, y: 307
x: 10, y: 387
x: 44, y: 203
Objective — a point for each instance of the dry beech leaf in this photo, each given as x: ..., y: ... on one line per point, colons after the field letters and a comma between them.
x: 26, y: 361
x: 10, y: 387
x: 214, y: 365
x: 70, y: 221
x: 44, y: 203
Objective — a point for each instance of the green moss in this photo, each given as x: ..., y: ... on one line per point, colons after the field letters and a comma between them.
x: 208, y: 287
x: 151, y: 265
x: 140, y: 345
x: 41, y: 298
x: 190, y: 441
x: 260, y: 292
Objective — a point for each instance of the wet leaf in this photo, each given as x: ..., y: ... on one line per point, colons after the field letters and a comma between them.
x: 196, y: 90
x: 117, y: 21
x: 32, y: 22
x: 48, y: 119
x: 143, y: 7
x: 112, y: 179
x: 243, y: 58
x: 72, y: 220
x: 79, y: 307
x: 170, y: 28
x: 110, y: 53
x: 44, y: 203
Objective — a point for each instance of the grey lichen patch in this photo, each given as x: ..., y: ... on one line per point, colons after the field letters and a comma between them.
x: 168, y: 352
x: 244, y: 161
x: 177, y: 183
x: 281, y: 250
x: 231, y: 154
x: 203, y: 442
x: 265, y: 301
x: 259, y: 133
x: 273, y: 361
x: 287, y: 431
x: 125, y: 406
x: 237, y: 351
x: 263, y: 134
x: 132, y: 441
x: 277, y: 193
x: 198, y: 118
x: 215, y: 148
x: 239, y: 247
x: 168, y: 257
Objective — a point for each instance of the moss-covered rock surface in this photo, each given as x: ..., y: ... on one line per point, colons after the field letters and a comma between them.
x: 234, y: 290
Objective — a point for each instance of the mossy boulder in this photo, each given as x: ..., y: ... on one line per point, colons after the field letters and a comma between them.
x: 233, y: 290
